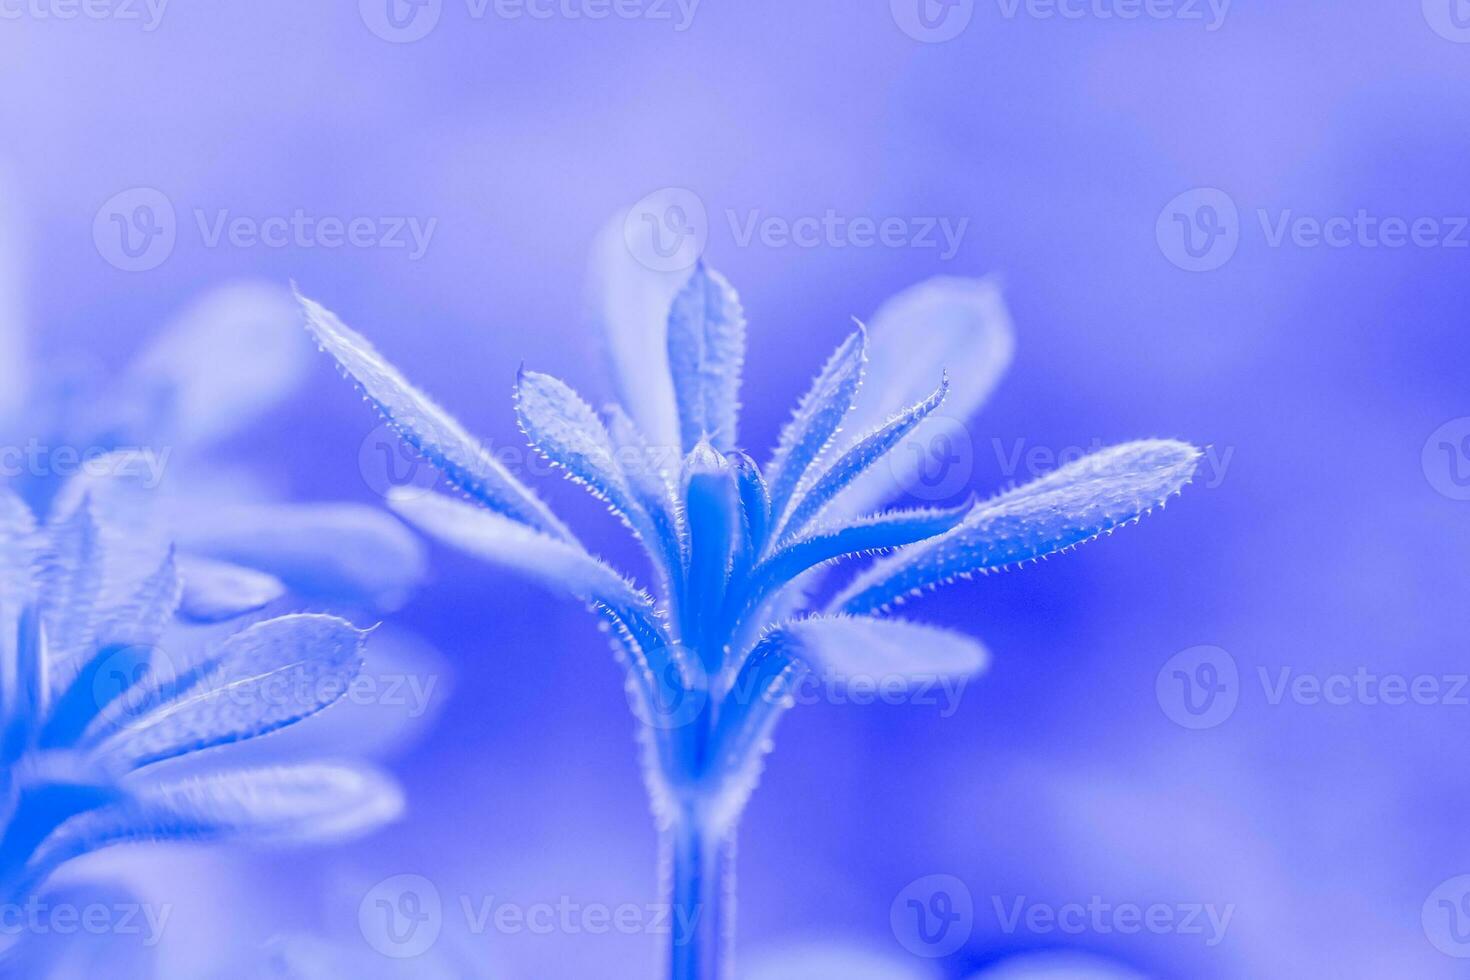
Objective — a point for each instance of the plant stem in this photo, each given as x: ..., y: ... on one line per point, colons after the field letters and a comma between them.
x: 702, y: 886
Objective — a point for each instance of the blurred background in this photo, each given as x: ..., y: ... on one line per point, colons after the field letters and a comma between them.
x: 1145, y: 179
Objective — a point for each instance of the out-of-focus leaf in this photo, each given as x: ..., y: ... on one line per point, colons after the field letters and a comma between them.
x: 266, y: 677
x: 345, y: 553
x: 631, y: 305
x: 234, y: 353
x: 945, y: 324
x: 216, y: 591
x: 274, y: 806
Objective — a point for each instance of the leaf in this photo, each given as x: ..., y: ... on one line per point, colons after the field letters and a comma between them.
x: 279, y: 805
x: 428, y: 428
x: 881, y: 532
x: 216, y: 591
x: 1076, y: 503
x: 20, y: 549
x: 706, y: 350
x: 947, y: 324
x: 71, y: 585
x: 234, y: 353
x: 565, y: 430
x: 817, y: 418
x: 644, y: 473
x: 328, y: 552
x: 28, y: 700
x: 557, y: 565
x: 853, y: 647
x: 264, y: 678
x: 631, y: 307
x: 144, y: 617
x: 857, y: 460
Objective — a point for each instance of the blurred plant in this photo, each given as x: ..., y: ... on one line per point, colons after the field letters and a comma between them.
x: 94, y: 713
x: 231, y: 356
x: 737, y: 548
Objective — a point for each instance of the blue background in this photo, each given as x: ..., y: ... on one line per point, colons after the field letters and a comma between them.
x: 1319, y: 373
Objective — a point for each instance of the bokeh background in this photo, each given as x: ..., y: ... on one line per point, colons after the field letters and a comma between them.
x: 1325, y: 536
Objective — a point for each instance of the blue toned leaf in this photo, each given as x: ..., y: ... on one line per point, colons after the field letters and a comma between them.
x: 126, y: 494
x: 706, y: 350
x: 712, y: 507
x: 945, y: 324
x: 755, y: 512
x: 285, y: 805
x: 1076, y: 503
x: 20, y: 549
x: 832, y: 961
x: 645, y: 474
x: 817, y: 418
x: 565, y: 430
x: 863, y: 454
x: 848, y: 647
x: 330, y: 552
x: 881, y: 532
x: 71, y: 584
x: 234, y: 353
x: 428, y: 428
x: 264, y: 678
x: 216, y: 591
x: 630, y: 304
x: 557, y: 565
x: 28, y: 700
x: 144, y: 617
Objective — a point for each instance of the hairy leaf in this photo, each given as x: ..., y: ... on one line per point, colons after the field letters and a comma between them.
x: 1065, y: 508
x: 861, y: 457
x: 706, y: 350
x: 269, y: 676
x: 427, y: 427
x: 817, y: 418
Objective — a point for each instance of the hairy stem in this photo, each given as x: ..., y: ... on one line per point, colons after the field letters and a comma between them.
x: 701, y: 856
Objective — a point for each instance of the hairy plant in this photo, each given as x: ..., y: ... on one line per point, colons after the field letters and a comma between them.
x: 110, y: 722
x: 737, y: 548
